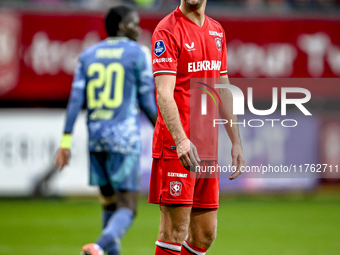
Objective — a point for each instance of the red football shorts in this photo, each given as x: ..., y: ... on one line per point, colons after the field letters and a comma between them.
x: 172, y: 184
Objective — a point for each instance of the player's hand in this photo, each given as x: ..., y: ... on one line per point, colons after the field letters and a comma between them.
x: 238, y: 160
x: 62, y: 158
x: 187, y: 154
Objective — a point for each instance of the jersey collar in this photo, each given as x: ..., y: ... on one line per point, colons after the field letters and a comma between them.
x: 117, y: 38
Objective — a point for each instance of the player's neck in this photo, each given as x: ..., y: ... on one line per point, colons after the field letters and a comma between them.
x: 120, y: 34
x: 195, y: 15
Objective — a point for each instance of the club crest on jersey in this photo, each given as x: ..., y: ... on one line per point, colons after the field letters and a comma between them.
x: 218, y: 42
x: 175, y: 188
x: 159, y: 48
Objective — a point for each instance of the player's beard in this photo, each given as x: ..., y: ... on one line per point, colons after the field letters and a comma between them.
x: 194, y: 4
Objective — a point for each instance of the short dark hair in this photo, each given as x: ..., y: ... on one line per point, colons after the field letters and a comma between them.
x: 114, y: 16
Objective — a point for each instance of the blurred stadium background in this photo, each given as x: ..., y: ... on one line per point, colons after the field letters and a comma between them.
x: 45, y: 212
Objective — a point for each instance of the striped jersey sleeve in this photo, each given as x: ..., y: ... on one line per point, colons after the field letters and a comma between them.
x: 164, y: 53
x: 224, y: 69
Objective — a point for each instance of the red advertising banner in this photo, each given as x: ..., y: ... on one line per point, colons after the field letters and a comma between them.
x: 47, y: 48
x: 39, y: 51
x: 282, y: 48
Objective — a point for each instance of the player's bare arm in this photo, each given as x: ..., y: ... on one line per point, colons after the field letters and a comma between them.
x: 233, y: 131
x: 186, y: 151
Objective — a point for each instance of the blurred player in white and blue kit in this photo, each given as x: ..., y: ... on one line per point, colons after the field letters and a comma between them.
x: 114, y: 77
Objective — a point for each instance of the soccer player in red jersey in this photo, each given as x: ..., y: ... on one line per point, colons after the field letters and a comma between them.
x: 187, y: 44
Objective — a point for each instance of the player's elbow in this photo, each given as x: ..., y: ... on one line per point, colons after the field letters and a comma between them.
x: 164, y: 95
x: 161, y: 97
x: 77, y: 96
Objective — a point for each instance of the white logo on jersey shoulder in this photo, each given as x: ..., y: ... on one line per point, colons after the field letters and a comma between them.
x: 177, y: 175
x: 190, y: 47
x: 215, y: 33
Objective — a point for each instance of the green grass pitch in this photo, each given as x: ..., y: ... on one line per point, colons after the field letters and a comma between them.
x: 246, y: 226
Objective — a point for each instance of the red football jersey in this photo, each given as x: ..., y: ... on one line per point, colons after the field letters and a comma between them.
x: 186, y: 50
